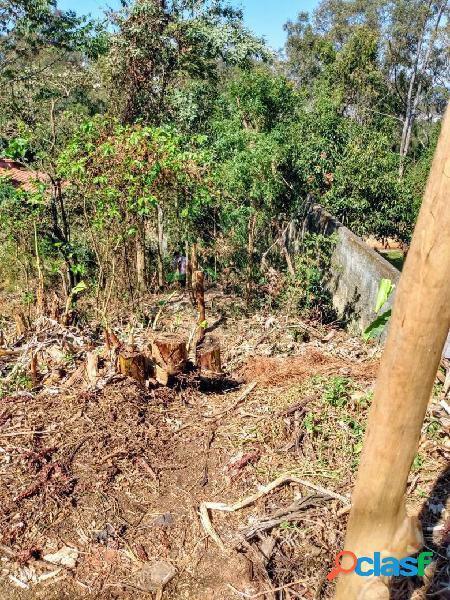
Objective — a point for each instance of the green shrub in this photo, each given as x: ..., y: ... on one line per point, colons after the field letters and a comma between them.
x: 308, y: 293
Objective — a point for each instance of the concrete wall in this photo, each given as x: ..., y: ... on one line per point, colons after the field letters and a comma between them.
x: 356, y: 270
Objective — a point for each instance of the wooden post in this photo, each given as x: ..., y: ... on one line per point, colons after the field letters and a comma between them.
x: 418, y: 329
x: 198, y: 287
x: 194, y: 258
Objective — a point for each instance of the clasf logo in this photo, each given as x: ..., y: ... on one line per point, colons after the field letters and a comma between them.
x: 366, y: 566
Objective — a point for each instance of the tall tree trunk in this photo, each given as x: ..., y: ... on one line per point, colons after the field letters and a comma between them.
x: 250, y: 257
x: 194, y: 257
x: 415, y: 94
x: 408, y: 120
x: 40, y: 292
x: 160, y: 226
x: 419, y: 326
x: 188, y: 267
x: 198, y: 288
x: 141, y: 278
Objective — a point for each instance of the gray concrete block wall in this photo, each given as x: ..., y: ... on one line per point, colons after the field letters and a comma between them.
x: 356, y: 270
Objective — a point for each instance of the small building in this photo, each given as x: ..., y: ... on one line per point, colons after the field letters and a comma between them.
x: 21, y: 177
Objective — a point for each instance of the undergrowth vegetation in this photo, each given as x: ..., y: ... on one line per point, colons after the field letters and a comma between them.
x: 172, y: 124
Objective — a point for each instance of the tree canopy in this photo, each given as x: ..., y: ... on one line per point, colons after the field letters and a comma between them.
x: 169, y: 122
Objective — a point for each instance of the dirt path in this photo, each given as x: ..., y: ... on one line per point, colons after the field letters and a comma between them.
x: 118, y: 473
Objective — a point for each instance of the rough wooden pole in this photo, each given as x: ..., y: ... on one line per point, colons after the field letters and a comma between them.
x: 419, y: 326
x: 250, y: 252
x: 160, y: 227
x: 40, y: 292
x: 192, y: 267
x: 198, y: 288
x: 194, y: 258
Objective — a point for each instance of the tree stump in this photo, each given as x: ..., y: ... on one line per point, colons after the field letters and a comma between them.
x: 34, y: 370
x: 92, y: 367
x: 132, y: 364
x: 22, y: 323
x: 208, y: 356
x: 54, y: 310
x: 170, y: 354
x: 161, y: 375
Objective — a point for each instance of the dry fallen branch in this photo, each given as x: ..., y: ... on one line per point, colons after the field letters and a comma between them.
x: 235, y: 404
x: 205, y: 507
x: 293, y: 512
x: 261, y: 594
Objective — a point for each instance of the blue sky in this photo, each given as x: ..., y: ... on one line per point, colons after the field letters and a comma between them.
x: 265, y: 17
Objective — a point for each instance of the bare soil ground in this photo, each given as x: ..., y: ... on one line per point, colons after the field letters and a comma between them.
x: 116, y: 474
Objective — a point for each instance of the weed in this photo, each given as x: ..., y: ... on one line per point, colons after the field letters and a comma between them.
x: 307, y: 292
x: 434, y: 430
x: 19, y: 381
x: 310, y: 423
x: 289, y: 525
x: 69, y: 358
x: 417, y: 462
x: 28, y: 298
x: 337, y: 392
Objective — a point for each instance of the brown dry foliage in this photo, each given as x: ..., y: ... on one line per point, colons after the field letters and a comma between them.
x: 282, y: 372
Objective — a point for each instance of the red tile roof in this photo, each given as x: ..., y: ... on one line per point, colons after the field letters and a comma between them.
x: 19, y: 176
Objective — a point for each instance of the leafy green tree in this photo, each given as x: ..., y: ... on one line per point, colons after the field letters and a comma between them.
x: 165, y: 52
x: 248, y: 135
x: 366, y: 193
x: 48, y: 86
x: 20, y: 213
x: 307, y: 51
x: 132, y: 185
x: 415, y: 57
x: 408, y: 68
x: 45, y: 74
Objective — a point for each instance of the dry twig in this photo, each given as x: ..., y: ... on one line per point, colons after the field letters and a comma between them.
x: 205, y: 507
x: 260, y: 594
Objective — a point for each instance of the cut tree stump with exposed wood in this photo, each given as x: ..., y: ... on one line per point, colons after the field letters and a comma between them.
x: 208, y: 356
x: 132, y: 364
x: 161, y: 375
x: 54, y: 309
x: 418, y: 329
x: 92, y: 368
x: 22, y: 323
x: 169, y: 353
